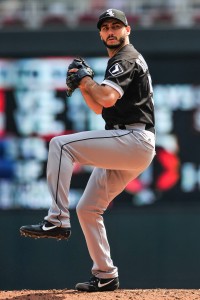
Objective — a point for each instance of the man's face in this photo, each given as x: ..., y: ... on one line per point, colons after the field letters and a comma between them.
x: 113, y: 33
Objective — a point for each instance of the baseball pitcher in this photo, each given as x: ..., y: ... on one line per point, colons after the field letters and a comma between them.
x: 119, y: 153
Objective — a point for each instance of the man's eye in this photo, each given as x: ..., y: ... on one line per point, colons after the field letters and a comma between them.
x: 116, y: 26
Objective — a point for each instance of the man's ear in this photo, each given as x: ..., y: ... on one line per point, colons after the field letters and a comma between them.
x: 128, y: 30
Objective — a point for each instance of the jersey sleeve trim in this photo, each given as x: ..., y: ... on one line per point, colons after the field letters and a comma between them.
x: 114, y: 86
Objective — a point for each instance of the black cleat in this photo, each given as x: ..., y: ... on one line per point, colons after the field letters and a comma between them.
x: 45, y: 229
x: 98, y: 285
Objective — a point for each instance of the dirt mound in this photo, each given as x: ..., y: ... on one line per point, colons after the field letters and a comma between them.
x: 155, y: 294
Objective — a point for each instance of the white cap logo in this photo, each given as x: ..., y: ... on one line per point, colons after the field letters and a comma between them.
x: 110, y: 12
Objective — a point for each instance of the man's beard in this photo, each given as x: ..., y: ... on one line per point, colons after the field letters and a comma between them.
x: 121, y: 42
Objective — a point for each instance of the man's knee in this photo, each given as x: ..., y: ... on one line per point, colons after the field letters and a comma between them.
x: 80, y: 209
x: 54, y: 142
x: 88, y: 210
x: 84, y: 209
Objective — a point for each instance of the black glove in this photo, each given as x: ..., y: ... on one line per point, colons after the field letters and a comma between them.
x: 73, y: 78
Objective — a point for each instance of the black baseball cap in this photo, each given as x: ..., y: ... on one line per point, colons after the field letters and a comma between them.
x: 114, y: 14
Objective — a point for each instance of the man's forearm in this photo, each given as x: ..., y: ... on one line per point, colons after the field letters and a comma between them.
x: 91, y: 103
x: 89, y: 87
x: 100, y: 94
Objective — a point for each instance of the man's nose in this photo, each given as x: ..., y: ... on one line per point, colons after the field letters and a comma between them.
x: 110, y: 30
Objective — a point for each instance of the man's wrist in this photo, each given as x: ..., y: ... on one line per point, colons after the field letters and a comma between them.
x: 87, y: 82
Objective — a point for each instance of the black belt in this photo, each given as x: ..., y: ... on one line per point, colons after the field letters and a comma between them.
x: 142, y: 126
x: 150, y: 128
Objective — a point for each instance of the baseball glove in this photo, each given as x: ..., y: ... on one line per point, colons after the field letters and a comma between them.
x: 73, y: 78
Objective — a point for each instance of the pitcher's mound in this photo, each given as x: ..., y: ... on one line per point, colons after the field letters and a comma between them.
x: 154, y: 294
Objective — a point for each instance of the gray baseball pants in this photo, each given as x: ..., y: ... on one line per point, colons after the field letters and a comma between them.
x: 118, y: 157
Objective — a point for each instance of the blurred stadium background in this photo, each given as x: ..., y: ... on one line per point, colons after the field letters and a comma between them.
x: 153, y: 226
x: 73, y: 13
